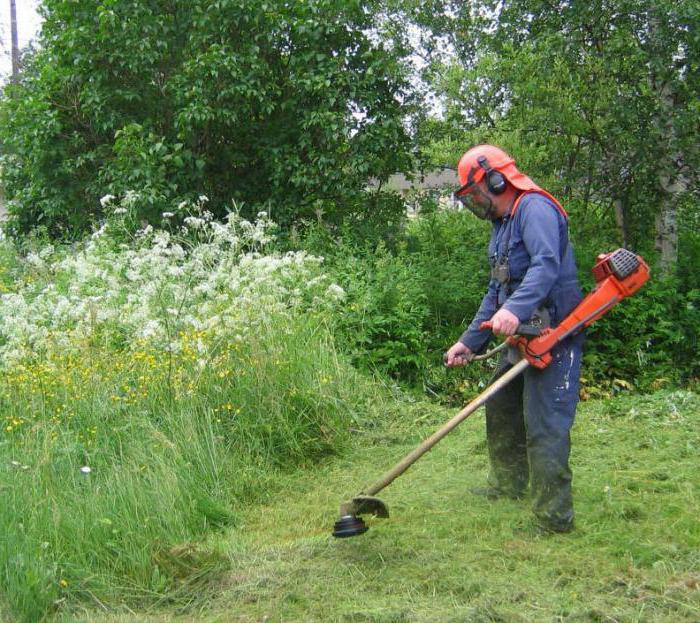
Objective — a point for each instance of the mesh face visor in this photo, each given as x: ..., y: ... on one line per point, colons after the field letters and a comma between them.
x: 477, y: 209
x: 468, y: 186
x: 466, y: 196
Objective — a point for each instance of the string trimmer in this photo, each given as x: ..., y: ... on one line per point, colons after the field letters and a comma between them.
x: 618, y: 275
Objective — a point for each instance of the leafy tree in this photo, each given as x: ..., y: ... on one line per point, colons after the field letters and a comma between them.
x: 600, y: 99
x: 296, y: 103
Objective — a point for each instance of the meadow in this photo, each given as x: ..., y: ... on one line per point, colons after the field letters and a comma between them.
x: 180, y: 423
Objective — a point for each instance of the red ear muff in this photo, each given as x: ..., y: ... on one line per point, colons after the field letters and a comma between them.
x: 495, y: 180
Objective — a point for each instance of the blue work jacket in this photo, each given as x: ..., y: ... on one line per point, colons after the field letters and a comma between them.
x: 534, y: 243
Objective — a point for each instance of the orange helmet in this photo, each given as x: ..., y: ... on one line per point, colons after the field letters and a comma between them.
x: 496, y: 165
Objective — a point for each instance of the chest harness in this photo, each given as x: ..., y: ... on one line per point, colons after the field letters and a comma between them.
x: 499, y: 261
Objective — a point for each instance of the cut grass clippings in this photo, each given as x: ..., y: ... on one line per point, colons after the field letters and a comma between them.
x: 445, y: 555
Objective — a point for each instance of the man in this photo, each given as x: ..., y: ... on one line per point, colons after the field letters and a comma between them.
x: 533, y: 275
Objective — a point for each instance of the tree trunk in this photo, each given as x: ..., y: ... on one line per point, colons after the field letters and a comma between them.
x: 672, y: 179
x: 15, y: 40
x: 674, y: 186
x: 620, y: 208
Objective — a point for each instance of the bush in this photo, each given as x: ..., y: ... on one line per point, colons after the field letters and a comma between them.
x: 648, y: 341
x: 407, y: 304
x: 408, y: 301
x: 448, y: 250
x: 385, y: 310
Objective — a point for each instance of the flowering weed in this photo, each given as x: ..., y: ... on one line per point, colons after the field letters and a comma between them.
x: 150, y: 389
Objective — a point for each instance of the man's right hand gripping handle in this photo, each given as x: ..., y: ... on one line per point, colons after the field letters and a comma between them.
x: 457, y: 355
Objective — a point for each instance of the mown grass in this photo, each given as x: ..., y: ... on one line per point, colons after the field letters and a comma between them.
x: 445, y: 555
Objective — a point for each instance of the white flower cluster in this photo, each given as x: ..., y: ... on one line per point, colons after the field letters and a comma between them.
x: 211, y: 275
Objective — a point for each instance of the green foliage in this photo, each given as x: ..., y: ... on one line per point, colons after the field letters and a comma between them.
x: 448, y: 249
x: 598, y: 99
x: 650, y: 340
x: 151, y: 388
x: 385, y: 312
x: 405, y: 306
x: 161, y: 171
x: 406, y: 303
x: 296, y: 103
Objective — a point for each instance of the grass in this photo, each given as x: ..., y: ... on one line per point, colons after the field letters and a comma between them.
x: 445, y: 555
x: 115, y: 466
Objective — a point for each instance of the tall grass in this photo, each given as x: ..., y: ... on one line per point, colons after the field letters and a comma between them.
x: 114, y: 465
x: 149, y: 392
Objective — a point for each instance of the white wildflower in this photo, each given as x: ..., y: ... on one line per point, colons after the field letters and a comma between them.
x: 211, y: 285
x: 146, y: 231
x: 194, y: 222
x: 106, y: 200
x: 34, y: 260
x: 168, y: 214
x: 85, y: 469
x: 46, y: 252
x: 120, y: 210
x: 177, y: 251
x: 150, y: 329
x: 161, y: 239
x: 335, y: 292
x: 131, y: 197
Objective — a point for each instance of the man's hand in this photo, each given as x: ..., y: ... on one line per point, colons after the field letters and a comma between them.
x: 504, y: 323
x: 458, y: 355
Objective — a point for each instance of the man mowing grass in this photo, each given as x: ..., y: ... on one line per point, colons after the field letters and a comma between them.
x: 533, y: 276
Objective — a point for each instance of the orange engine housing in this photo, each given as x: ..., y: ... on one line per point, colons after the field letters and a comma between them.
x: 618, y: 274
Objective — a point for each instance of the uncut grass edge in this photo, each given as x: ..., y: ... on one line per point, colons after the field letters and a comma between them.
x: 164, y: 474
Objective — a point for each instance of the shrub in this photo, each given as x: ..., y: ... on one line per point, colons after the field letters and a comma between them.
x: 385, y: 311
x: 408, y: 301
x: 448, y: 250
x: 438, y: 267
x: 649, y: 341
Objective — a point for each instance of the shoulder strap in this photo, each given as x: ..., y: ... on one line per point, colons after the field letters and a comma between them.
x: 561, y: 210
x: 545, y: 194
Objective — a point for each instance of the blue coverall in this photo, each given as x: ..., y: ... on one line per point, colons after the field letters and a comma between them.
x: 528, y: 421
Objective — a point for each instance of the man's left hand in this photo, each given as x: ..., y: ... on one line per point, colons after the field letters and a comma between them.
x: 504, y: 323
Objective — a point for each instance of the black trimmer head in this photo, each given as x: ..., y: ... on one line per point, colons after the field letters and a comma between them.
x: 350, y: 524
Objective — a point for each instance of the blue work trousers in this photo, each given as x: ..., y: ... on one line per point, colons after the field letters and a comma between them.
x: 527, y: 428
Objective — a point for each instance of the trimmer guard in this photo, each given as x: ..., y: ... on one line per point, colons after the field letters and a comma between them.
x: 365, y: 505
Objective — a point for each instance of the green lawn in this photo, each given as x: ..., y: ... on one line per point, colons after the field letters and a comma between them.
x: 445, y: 555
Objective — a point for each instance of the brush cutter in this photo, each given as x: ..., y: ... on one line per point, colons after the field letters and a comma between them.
x: 618, y: 275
